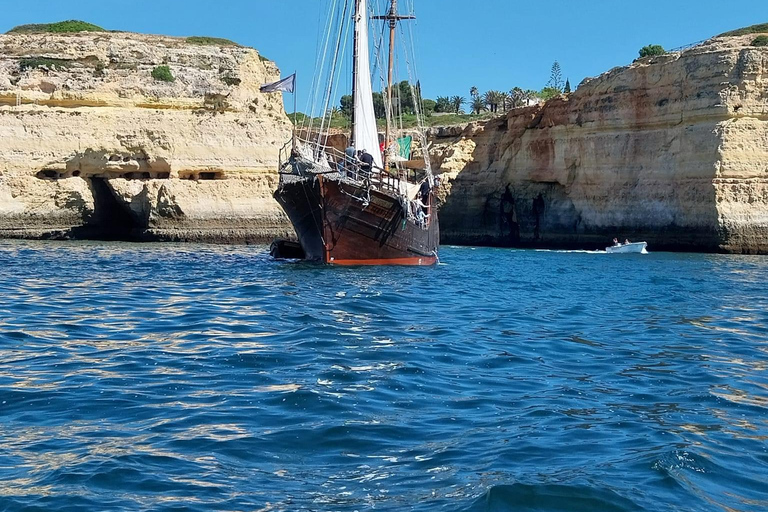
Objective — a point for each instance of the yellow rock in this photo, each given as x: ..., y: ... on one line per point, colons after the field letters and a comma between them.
x: 671, y: 149
x: 195, y: 158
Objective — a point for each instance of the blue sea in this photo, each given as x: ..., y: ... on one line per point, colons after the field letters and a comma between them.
x: 212, y: 378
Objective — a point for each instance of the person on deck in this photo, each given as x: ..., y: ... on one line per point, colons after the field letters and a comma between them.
x: 424, y: 190
x: 367, y: 163
x: 420, y: 211
x: 350, y: 161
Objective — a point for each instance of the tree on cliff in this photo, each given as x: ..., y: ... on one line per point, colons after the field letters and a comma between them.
x: 478, y: 104
x: 493, y: 99
x: 516, y: 97
x: 405, y: 97
x: 443, y: 104
x: 505, y: 100
x: 428, y: 106
x: 348, y: 104
x: 457, y: 102
x: 548, y: 93
x: 652, y: 50
x: 529, y: 96
x: 567, y: 89
x: 555, y: 78
x: 379, y: 108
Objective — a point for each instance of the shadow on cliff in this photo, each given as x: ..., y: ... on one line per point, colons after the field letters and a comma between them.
x: 537, y: 178
x: 486, y: 207
x: 112, y: 218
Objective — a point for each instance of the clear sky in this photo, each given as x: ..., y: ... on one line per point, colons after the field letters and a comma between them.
x: 491, y: 44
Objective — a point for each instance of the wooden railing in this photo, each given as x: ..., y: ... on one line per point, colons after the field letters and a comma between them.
x: 339, y: 162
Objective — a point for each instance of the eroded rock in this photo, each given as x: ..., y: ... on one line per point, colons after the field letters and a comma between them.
x: 89, y: 128
x: 672, y: 150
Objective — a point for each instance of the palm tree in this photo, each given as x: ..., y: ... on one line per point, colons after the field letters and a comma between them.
x: 529, y: 95
x: 457, y: 102
x: 517, y: 96
x: 443, y: 104
x: 492, y: 99
x: 504, y: 99
x: 478, y: 104
x: 473, y: 92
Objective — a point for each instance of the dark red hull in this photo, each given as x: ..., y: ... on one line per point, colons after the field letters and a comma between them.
x: 335, y: 225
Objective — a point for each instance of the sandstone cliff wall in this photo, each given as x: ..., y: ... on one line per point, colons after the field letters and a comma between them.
x: 91, y: 144
x: 671, y: 149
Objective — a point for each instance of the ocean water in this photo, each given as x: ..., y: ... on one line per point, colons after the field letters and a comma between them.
x: 200, y: 378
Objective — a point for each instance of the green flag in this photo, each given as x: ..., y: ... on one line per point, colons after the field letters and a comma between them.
x: 404, y: 144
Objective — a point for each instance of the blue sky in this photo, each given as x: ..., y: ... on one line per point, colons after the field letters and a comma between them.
x: 491, y: 44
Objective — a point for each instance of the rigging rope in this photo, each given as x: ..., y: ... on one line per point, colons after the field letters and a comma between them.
x: 320, y: 65
x: 333, y: 71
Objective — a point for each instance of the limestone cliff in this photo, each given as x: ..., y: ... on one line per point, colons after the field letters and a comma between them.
x: 671, y: 149
x: 92, y: 144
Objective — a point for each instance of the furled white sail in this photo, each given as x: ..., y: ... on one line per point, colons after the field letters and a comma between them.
x: 366, y: 133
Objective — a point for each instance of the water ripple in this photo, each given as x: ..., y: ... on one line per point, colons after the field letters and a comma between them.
x: 186, y: 377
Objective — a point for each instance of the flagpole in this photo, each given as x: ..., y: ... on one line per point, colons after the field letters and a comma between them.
x: 294, y: 111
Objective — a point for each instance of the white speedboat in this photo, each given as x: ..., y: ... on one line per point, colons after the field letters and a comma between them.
x: 628, y: 248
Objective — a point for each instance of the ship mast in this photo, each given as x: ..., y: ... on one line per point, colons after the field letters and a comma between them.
x: 354, y: 70
x: 392, y: 17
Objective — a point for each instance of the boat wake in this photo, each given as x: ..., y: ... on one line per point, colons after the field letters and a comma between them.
x: 570, y: 251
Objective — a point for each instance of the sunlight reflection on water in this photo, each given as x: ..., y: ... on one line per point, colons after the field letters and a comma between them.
x: 211, y: 377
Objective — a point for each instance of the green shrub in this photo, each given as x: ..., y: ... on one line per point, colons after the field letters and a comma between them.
x: 230, y: 80
x: 59, y: 27
x: 754, y: 29
x: 760, y: 41
x: 548, y: 93
x: 213, y: 41
x: 163, y: 73
x: 39, y: 62
x: 652, y: 50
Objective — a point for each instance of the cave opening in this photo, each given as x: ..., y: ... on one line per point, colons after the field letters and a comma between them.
x: 112, y: 219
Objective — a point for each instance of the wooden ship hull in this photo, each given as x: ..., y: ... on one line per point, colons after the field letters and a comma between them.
x: 349, y: 205
x: 341, y: 223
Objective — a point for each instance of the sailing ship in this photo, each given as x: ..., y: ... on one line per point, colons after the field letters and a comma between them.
x: 369, y: 203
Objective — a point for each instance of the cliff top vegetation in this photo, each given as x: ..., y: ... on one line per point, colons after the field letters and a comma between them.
x: 213, y: 41
x: 59, y: 27
x: 652, y: 50
x: 72, y: 26
x: 753, y: 29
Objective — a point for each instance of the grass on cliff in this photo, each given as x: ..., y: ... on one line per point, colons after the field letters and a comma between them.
x: 754, y: 29
x: 210, y: 41
x: 408, y: 120
x: 43, y: 62
x: 59, y: 27
x: 760, y: 41
x: 163, y: 74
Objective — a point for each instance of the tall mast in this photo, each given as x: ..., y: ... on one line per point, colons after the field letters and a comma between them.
x: 392, y: 17
x: 366, y: 136
x: 392, y: 25
x: 354, y: 70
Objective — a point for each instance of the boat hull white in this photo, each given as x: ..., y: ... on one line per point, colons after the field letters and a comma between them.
x: 631, y: 248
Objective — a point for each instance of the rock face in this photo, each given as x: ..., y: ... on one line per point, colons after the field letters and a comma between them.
x: 671, y: 149
x: 92, y: 145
